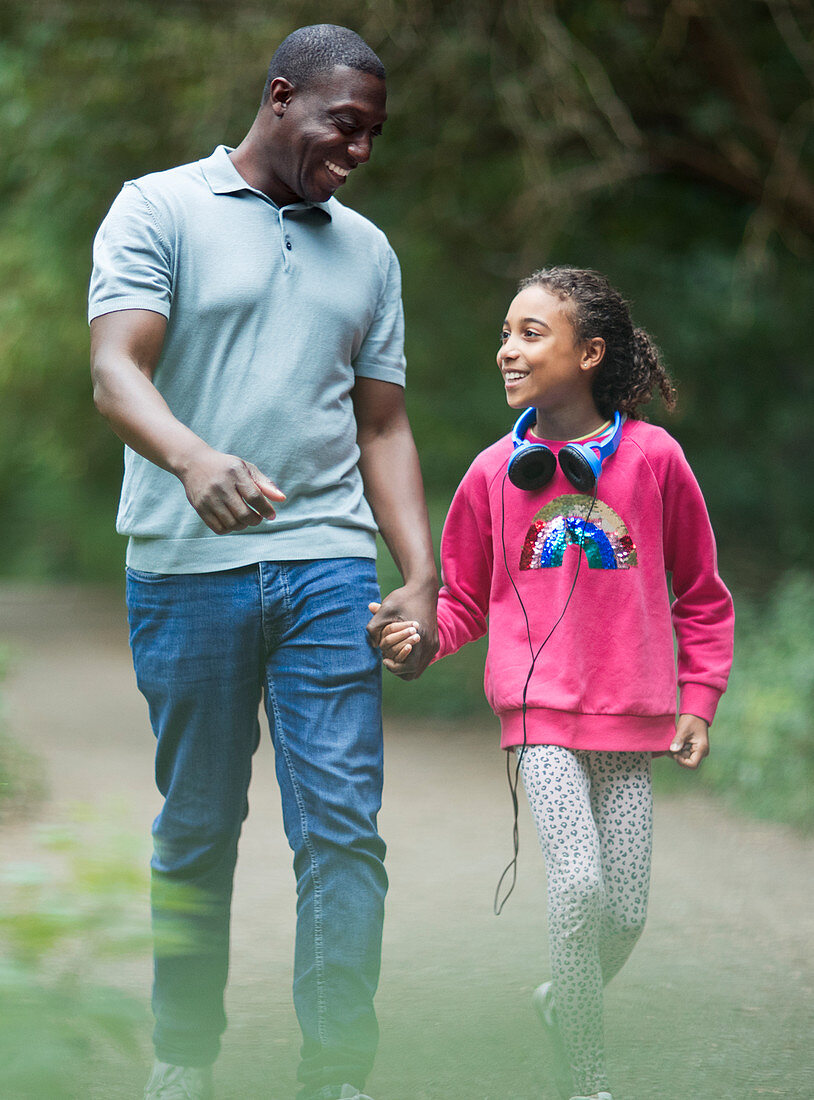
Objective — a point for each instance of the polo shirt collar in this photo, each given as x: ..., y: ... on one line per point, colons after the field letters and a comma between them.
x: 224, y: 179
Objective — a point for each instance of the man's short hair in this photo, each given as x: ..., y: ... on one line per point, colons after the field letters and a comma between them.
x: 318, y: 49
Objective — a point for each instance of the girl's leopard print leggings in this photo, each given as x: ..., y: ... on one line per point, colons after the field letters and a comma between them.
x: 594, y: 816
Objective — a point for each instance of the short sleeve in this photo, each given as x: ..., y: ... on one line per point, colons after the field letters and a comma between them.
x: 132, y: 264
x: 382, y: 352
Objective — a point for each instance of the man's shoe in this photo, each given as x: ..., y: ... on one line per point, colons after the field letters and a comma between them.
x: 543, y: 1000
x: 594, y: 1096
x: 179, y: 1083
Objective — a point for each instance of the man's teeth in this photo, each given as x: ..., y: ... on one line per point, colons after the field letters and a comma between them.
x: 514, y: 375
x: 335, y: 168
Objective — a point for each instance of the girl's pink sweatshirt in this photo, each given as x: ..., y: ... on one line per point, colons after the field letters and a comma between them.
x: 606, y: 676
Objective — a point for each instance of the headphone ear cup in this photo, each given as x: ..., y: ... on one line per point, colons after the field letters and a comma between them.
x: 531, y: 466
x: 581, y: 466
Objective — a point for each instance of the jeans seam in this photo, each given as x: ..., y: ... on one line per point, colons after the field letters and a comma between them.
x: 261, y: 583
x: 319, y: 957
x: 286, y: 587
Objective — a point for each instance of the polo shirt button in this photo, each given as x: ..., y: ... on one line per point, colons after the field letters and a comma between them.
x: 288, y: 244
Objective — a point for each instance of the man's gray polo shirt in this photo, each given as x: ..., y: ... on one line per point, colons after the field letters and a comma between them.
x: 271, y: 315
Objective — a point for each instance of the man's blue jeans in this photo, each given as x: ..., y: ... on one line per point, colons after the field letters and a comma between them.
x: 206, y: 648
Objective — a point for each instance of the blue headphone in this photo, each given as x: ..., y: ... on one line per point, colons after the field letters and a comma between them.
x: 532, y: 465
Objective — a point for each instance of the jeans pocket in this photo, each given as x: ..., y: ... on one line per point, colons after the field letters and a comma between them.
x: 147, y: 578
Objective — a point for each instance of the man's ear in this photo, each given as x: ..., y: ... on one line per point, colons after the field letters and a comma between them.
x: 280, y: 93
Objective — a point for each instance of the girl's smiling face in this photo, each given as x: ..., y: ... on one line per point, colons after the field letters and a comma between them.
x: 542, y: 363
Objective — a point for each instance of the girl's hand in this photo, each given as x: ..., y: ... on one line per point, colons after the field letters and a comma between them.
x: 396, y: 641
x: 691, y: 742
x: 419, y: 600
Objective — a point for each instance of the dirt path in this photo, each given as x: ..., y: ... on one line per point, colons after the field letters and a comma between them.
x: 716, y: 1003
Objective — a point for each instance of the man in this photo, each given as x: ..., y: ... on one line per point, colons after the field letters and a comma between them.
x: 246, y: 345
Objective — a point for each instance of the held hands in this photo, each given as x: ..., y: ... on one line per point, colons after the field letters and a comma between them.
x: 691, y: 742
x: 407, y: 645
x: 228, y: 493
x: 396, y: 642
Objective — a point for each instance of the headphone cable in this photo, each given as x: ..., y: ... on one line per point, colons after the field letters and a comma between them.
x: 513, y: 781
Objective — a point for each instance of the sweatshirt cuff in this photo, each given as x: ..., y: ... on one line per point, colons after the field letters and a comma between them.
x: 700, y: 700
x: 443, y: 646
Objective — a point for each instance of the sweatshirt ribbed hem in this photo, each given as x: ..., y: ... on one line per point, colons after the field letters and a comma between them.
x: 600, y: 732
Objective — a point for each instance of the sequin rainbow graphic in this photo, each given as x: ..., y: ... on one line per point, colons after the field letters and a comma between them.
x: 569, y: 520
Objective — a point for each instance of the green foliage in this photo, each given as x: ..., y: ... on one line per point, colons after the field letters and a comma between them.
x: 763, y: 737
x: 640, y: 141
x: 20, y: 786
x: 55, y: 931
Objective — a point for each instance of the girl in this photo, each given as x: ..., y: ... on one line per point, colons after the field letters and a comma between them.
x: 560, y: 534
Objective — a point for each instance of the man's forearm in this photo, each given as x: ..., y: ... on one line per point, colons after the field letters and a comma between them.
x: 125, y: 347
x: 228, y: 493
x: 395, y: 491
x: 140, y: 416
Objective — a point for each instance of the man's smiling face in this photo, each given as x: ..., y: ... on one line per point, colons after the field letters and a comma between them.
x: 325, y: 130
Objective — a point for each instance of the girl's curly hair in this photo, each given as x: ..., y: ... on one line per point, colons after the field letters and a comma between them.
x: 631, y: 368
